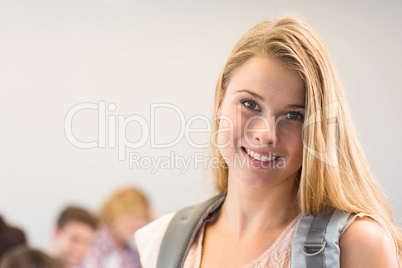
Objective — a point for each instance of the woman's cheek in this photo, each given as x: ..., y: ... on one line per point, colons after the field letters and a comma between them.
x: 296, y: 138
x: 242, y: 124
x: 224, y: 138
x: 295, y: 141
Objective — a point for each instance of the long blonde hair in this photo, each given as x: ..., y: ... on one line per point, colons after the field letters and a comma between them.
x: 335, y: 171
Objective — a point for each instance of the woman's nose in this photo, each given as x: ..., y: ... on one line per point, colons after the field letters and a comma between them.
x: 263, y: 131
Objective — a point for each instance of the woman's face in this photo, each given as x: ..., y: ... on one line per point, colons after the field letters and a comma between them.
x: 261, y: 121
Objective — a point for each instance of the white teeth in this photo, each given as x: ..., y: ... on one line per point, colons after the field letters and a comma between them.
x: 257, y: 156
x: 251, y: 153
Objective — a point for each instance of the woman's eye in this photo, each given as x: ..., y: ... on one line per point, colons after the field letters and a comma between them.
x: 251, y: 105
x: 294, y: 116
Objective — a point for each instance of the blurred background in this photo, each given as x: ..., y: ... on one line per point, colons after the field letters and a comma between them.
x: 122, y: 56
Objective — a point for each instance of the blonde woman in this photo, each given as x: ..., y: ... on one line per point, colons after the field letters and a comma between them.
x: 288, y: 148
x: 123, y: 213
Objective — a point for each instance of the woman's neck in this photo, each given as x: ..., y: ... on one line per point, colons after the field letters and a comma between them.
x: 248, y: 209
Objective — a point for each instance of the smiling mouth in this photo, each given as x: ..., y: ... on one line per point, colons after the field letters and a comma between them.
x: 259, y: 157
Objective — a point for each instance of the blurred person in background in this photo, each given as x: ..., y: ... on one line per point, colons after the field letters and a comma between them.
x: 121, y: 215
x: 10, y: 237
x: 73, y: 235
x: 25, y: 257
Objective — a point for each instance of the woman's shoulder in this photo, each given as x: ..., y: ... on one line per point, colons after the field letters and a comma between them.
x: 149, y: 238
x: 367, y: 241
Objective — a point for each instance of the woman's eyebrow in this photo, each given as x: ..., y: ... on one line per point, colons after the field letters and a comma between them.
x: 294, y: 106
x: 255, y: 95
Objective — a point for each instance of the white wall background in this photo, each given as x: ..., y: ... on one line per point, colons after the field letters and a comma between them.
x: 57, y: 54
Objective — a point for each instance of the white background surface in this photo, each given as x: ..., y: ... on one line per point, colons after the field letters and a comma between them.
x: 57, y: 54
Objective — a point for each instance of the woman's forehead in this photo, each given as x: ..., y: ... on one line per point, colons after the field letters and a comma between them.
x: 268, y: 78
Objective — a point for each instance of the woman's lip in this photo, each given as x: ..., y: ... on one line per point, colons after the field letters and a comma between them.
x: 268, y: 154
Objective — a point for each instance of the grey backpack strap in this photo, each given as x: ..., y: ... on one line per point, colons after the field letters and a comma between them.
x: 181, y: 232
x: 316, y: 239
x: 315, y: 243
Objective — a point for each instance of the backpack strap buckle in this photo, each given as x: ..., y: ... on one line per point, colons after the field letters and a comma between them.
x: 312, y: 249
